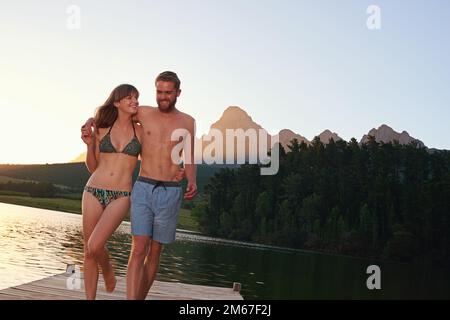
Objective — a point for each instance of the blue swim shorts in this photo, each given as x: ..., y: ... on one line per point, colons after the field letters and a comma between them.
x: 155, y: 208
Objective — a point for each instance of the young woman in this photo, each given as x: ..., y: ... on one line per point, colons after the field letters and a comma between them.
x: 112, y: 154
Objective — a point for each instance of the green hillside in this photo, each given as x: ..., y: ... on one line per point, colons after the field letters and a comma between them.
x: 72, y: 175
x: 75, y: 175
x: 4, y: 179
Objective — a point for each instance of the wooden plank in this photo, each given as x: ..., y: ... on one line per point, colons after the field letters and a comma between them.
x: 54, y: 288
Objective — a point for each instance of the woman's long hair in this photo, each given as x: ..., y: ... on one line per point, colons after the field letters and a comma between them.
x: 106, y: 114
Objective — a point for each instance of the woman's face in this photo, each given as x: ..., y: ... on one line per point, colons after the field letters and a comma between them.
x: 129, y: 104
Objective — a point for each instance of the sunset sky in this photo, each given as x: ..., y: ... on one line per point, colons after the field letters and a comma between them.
x: 302, y: 65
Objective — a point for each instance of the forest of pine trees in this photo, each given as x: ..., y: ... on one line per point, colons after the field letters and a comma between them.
x: 382, y: 200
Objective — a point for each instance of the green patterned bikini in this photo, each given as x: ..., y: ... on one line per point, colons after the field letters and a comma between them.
x: 133, y: 148
x: 104, y: 196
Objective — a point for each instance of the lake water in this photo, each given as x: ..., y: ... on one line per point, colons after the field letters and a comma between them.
x: 37, y: 243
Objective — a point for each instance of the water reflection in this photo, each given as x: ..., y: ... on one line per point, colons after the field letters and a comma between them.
x: 36, y: 243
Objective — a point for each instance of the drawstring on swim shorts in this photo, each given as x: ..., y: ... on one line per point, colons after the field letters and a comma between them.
x: 158, y: 184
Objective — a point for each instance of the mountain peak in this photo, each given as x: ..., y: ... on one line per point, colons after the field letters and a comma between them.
x: 286, y: 132
x: 326, y: 135
x: 384, y: 126
x: 286, y: 136
x: 235, y: 118
x: 386, y: 134
x: 234, y: 109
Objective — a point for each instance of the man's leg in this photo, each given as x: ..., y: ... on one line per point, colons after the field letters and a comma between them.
x: 166, y: 208
x: 141, y: 230
x: 139, y: 249
x: 151, y: 265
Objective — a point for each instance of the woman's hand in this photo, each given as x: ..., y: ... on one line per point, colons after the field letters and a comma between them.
x: 180, y: 175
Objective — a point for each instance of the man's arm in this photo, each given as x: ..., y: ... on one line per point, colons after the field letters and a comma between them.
x: 89, y: 137
x: 92, y: 154
x: 189, y: 164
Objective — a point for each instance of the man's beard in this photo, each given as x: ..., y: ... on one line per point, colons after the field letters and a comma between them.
x: 169, y: 107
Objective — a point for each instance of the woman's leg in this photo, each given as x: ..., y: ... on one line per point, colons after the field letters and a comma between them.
x: 92, y: 211
x: 111, y: 218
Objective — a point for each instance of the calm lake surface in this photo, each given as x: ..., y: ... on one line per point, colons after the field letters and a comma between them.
x: 37, y: 243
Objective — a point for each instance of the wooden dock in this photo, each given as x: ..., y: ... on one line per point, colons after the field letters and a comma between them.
x: 67, y: 287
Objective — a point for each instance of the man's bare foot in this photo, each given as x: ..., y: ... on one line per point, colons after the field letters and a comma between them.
x: 110, y: 280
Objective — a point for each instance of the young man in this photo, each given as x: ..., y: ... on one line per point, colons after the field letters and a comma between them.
x: 156, y: 200
x: 156, y: 195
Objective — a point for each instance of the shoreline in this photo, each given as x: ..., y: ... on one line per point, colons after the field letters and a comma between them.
x: 43, y: 203
x: 35, y: 204
x: 73, y: 206
x: 183, y: 229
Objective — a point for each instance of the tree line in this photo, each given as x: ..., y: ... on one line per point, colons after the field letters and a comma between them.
x: 34, y: 189
x: 383, y: 200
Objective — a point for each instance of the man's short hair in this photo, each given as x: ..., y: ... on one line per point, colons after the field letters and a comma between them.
x: 169, y: 76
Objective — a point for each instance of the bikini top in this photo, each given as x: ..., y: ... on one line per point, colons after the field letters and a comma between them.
x: 133, y: 148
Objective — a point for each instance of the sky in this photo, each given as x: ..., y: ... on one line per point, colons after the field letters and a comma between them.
x: 302, y: 65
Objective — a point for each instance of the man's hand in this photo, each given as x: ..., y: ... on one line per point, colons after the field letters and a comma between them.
x: 191, y: 191
x: 87, y: 134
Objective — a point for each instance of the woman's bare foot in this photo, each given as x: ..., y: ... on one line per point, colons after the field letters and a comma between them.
x: 110, y: 279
